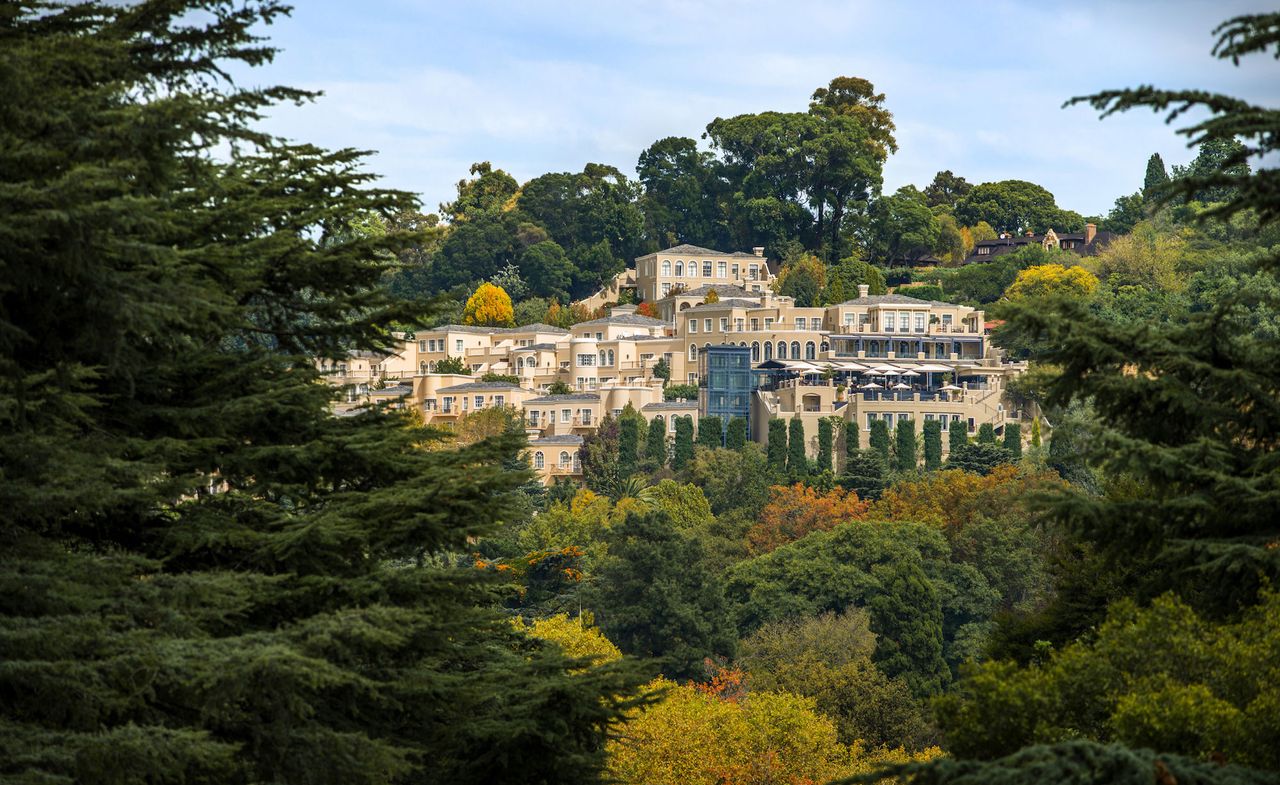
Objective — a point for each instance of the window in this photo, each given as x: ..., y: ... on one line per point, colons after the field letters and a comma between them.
x: 753, y: 272
x: 782, y: 350
x: 499, y: 401
x: 586, y: 416
x: 465, y: 401
x: 693, y: 352
x: 755, y: 351
x: 599, y: 336
x: 724, y: 324
x: 871, y: 417
x: 538, y: 460
x: 739, y: 324
x: 666, y: 267
x: 693, y: 270
x: 447, y: 404
x: 566, y: 415
x: 904, y: 321
x: 422, y: 367
x: 666, y: 289
x: 479, y: 401
x: 768, y: 323
x: 422, y: 346
x: 533, y: 419
x: 722, y: 269
x: 586, y: 360
x: 706, y: 325
x: 706, y: 269
x: 888, y: 321
x: 983, y: 251
x: 801, y: 323
x: 795, y: 350
x: 946, y: 319
x: 755, y: 325
x: 679, y: 269
x: 736, y: 269
x: 610, y: 357
x: 810, y: 351
x: 457, y: 345
x: 564, y: 460
x: 693, y: 325
x: 768, y: 351
x: 920, y: 322
x: 848, y: 320
x: 603, y: 356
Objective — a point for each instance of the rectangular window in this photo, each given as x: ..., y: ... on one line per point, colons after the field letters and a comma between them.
x: 920, y: 322
x: 447, y: 404
x: 724, y: 324
x: 753, y: 272
x: 739, y: 324
x: 586, y: 416
x: 946, y: 319
x: 706, y: 269
x: 586, y: 360
x: 566, y: 415
x: 499, y: 401
x: 722, y: 269
x: 422, y: 346
x: 801, y: 323
x: 736, y: 269
x: 904, y: 321
x: 479, y: 401
x: 666, y: 289
x: 693, y: 326
x: 599, y: 336
x: 848, y: 319
x: 457, y: 344
x: 887, y: 317
x: 706, y: 325
x: 755, y: 324
x: 533, y: 418
x: 768, y: 323
x: 871, y: 417
x: 465, y: 401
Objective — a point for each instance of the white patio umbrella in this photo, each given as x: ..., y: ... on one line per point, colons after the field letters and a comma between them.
x: 870, y: 386
x: 901, y: 386
x: 910, y: 373
x: 950, y: 387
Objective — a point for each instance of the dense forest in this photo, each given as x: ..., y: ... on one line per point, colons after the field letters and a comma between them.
x: 209, y: 578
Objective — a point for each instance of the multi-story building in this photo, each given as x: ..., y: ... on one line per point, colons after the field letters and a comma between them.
x: 886, y: 357
x: 1086, y: 243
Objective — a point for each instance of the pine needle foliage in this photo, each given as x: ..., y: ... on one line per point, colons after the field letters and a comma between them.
x: 204, y: 576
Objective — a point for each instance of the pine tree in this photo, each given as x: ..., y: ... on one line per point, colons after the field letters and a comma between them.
x: 205, y: 577
x: 777, y: 448
x: 864, y: 474
x: 655, y: 448
x: 630, y: 424
x: 904, y: 451
x: 957, y: 436
x: 797, y: 461
x: 986, y: 433
x: 710, y: 432
x: 683, y: 452
x: 736, y: 435
x: 852, y: 435
x: 825, y: 440
x: 1013, y: 440
x: 1035, y: 432
x: 1156, y: 180
x: 879, y: 440
x: 932, y: 444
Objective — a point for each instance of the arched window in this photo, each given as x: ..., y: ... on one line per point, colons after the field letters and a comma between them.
x: 693, y: 269
x: 795, y: 350
x: 873, y: 348
x: 564, y: 459
x: 768, y: 351
x: 679, y: 269
x: 683, y: 306
x: 422, y: 367
x: 666, y: 267
x: 610, y: 357
x: 602, y: 356
x: 693, y: 352
x: 431, y: 366
x: 755, y: 351
x: 538, y: 460
x: 519, y: 363
x: 826, y: 347
x: 810, y: 351
x: 782, y: 350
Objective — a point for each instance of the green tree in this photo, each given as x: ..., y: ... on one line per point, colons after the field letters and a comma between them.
x: 1156, y: 179
x: 655, y: 598
x: 957, y: 436
x: 777, y: 455
x: 655, y: 448
x: 683, y: 450
x: 558, y: 387
x: 548, y: 270
x: 1127, y: 212
x: 986, y: 433
x: 946, y: 190
x: 710, y: 432
x: 682, y: 194
x: 662, y: 370
x: 630, y: 425
x: 600, y: 453
x: 844, y: 277
x: 802, y: 279
x: 864, y: 474
x: 905, y: 447
x: 206, y: 576
x: 1013, y: 440
x: 852, y: 438
x: 674, y: 392
x: 825, y: 440
x: 736, y: 434
x: 979, y: 457
x: 797, y: 461
x: 486, y: 192
x: 902, y: 227
x: 453, y: 365
x: 932, y: 445
x: 1016, y: 206
x: 879, y: 440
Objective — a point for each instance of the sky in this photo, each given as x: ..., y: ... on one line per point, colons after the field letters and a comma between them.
x: 540, y: 86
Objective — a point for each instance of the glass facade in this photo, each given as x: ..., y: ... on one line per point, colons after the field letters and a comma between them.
x: 727, y: 383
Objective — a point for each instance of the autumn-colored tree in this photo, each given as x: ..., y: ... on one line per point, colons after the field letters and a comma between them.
x: 647, y: 308
x: 1052, y: 279
x: 711, y: 297
x: 489, y: 306
x: 955, y: 499
x: 575, y: 636
x: 797, y: 510
x: 982, y: 231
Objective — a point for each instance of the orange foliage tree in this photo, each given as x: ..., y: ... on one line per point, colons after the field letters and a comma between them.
x: 954, y: 499
x: 489, y: 306
x: 647, y: 308
x: 797, y: 510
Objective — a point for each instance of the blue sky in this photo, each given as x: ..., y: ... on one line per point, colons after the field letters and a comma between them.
x: 549, y: 86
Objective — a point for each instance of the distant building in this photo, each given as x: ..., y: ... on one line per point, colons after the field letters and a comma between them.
x: 1086, y: 243
x: 726, y: 383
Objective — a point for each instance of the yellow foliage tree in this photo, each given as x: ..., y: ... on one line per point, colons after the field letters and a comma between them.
x: 489, y: 306
x: 711, y: 297
x: 1052, y: 279
x: 575, y: 636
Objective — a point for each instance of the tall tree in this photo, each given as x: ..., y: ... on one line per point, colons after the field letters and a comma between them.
x: 777, y: 454
x: 904, y: 448
x: 488, y: 191
x: 683, y: 450
x: 946, y: 190
x: 711, y: 432
x: 1156, y: 179
x: 630, y: 425
x: 682, y: 194
x: 932, y: 444
x: 826, y: 440
x: 206, y: 576
x: 879, y: 440
x: 797, y: 461
x: 655, y: 447
x: 735, y: 437
x: 1016, y: 206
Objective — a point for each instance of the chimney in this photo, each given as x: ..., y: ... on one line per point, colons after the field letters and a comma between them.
x: 758, y: 250
x: 1090, y: 232
x: 863, y: 289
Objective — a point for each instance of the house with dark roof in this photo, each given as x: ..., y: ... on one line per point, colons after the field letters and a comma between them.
x: 689, y: 267
x: 1086, y: 243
